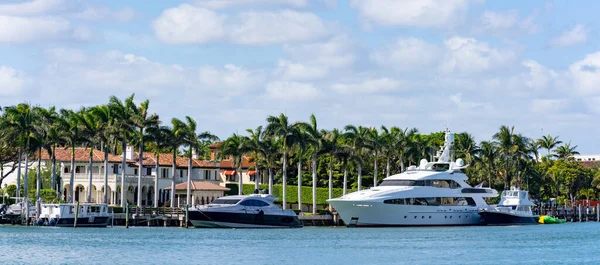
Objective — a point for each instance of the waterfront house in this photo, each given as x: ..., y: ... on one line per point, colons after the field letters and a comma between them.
x: 228, y: 172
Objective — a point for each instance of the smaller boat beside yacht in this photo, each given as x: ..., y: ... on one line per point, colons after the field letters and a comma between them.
x: 514, y: 209
x: 65, y: 214
x: 243, y: 211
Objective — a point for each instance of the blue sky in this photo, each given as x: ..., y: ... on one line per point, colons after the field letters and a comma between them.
x: 469, y: 65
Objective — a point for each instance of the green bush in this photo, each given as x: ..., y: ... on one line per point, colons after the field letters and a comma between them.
x: 47, y: 195
x: 292, y: 193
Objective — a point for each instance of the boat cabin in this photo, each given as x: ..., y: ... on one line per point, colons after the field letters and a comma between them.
x: 515, y: 201
x: 67, y: 210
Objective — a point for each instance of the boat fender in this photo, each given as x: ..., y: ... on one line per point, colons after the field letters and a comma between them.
x: 52, y: 222
x: 39, y: 222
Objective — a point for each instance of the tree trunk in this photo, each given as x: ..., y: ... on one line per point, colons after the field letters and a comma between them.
x: 156, y: 180
x: 54, y: 185
x: 105, y: 148
x: 174, y: 168
x: 141, y: 161
x: 26, y: 177
x: 18, y: 195
x: 387, y: 167
x: 123, y: 167
x: 401, y: 164
x: 284, y: 191
x: 241, y: 181
x: 89, y: 197
x: 375, y: 172
x: 188, y: 195
x: 38, y: 184
x: 330, y: 177
x: 256, y: 175
x: 270, y: 180
x: 300, y: 183
x: 359, y: 176
x: 72, y: 179
x: 314, y: 184
x: 506, y: 174
x: 345, y: 175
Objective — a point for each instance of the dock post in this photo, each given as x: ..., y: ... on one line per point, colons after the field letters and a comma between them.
x: 127, y: 215
x: 598, y: 212
x: 579, y: 214
x: 76, y: 214
x: 186, y: 215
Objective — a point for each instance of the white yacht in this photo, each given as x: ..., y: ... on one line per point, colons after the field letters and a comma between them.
x: 514, y: 209
x: 63, y: 215
x: 243, y: 211
x: 432, y: 194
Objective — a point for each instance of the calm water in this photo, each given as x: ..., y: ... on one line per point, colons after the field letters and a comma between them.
x: 542, y: 244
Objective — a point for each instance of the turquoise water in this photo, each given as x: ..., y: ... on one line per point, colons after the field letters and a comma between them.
x: 572, y: 243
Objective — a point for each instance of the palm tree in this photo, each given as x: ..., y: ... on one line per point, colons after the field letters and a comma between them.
x: 359, y: 139
x: 487, y: 155
x: 187, y: 132
x: 269, y: 148
x: 235, y: 147
x: 20, y: 119
x: 300, y: 140
x: 388, y: 147
x: 255, y: 143
x: 160, y: 136
x: 465, y: 147
x: 376, y: 144
x: 280, y: 128
x: 521, y: 149
x: 72, y: 138
x: 331, y: 147
x: 45, y: 119
x: 122, y: 130
x: 403, y: 141
x: 55, y: 137
x: 175, y: 141
x: 94, y: 122
x: 317, y: 143
x: 104, y: 115
x: 504, y: 140
x: 566, y: 151
x: 142, y: 120
x: 548, y: 142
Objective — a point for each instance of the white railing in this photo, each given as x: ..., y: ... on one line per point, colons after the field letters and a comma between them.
x: 112, y: 178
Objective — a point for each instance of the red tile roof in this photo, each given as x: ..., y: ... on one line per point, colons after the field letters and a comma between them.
x: 166, y: 159
x: 590, y: 164
x: 228, y: 163
x: 81, y: 155
x: 200, y: 185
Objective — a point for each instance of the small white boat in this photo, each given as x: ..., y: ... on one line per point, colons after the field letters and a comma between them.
x: 243, y: 211
x: 514, y: 209
x: 63, y: 215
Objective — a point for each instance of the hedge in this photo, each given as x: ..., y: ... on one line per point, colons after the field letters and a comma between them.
x: 292, y: 193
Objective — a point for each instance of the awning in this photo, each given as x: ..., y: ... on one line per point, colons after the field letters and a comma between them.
x: 229, y: 172
x: 251, y: 172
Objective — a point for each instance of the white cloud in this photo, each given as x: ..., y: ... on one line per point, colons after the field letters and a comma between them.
x: 291, y: 91
x: 576, y: 35
x: 25, y: 29
x: 34, y: 7
x: 105, y: 13
x: 277, y: 27
x: 336, y: 52
x: 229, y: 80
x: 406, y: 54
x: 418, y: 13
x: 218, y: 4
x: 539, y: 77
x: 586, y: 75
x: 492, y: 20
x: 298, y: 71
x: 187, y: 24
x: 66, y: 55
x: 547, y: 106
x: 368, y: 86
x: 468, y: 55
x: 11, y: 81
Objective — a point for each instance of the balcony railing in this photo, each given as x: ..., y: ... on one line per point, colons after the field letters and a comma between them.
x: 112, y: 178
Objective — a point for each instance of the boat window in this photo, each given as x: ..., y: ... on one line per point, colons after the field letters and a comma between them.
x: 225, y: 201
x: 255, y: 203
x: 440, y: 167
x: 434, y: 201
x: 394, y: 201
x: 401, y: 182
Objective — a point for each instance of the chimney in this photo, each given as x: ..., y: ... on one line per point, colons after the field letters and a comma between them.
x: 194, y: 154
x: 129, y: 152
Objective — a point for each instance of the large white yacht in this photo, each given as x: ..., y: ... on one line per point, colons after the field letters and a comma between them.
x: 434, y: 193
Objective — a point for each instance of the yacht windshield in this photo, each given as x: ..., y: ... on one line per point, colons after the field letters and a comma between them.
x: 400, y: 182
x: 438, y: 183
x: 225, y: 201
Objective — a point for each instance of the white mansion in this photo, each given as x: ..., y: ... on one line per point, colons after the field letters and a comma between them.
x: 209, y: 177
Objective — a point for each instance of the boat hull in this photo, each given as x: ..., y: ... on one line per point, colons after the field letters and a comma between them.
x: 98, y: 221
x: 379, y: 214
x: 213, y: 219
x: 499, y: 218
